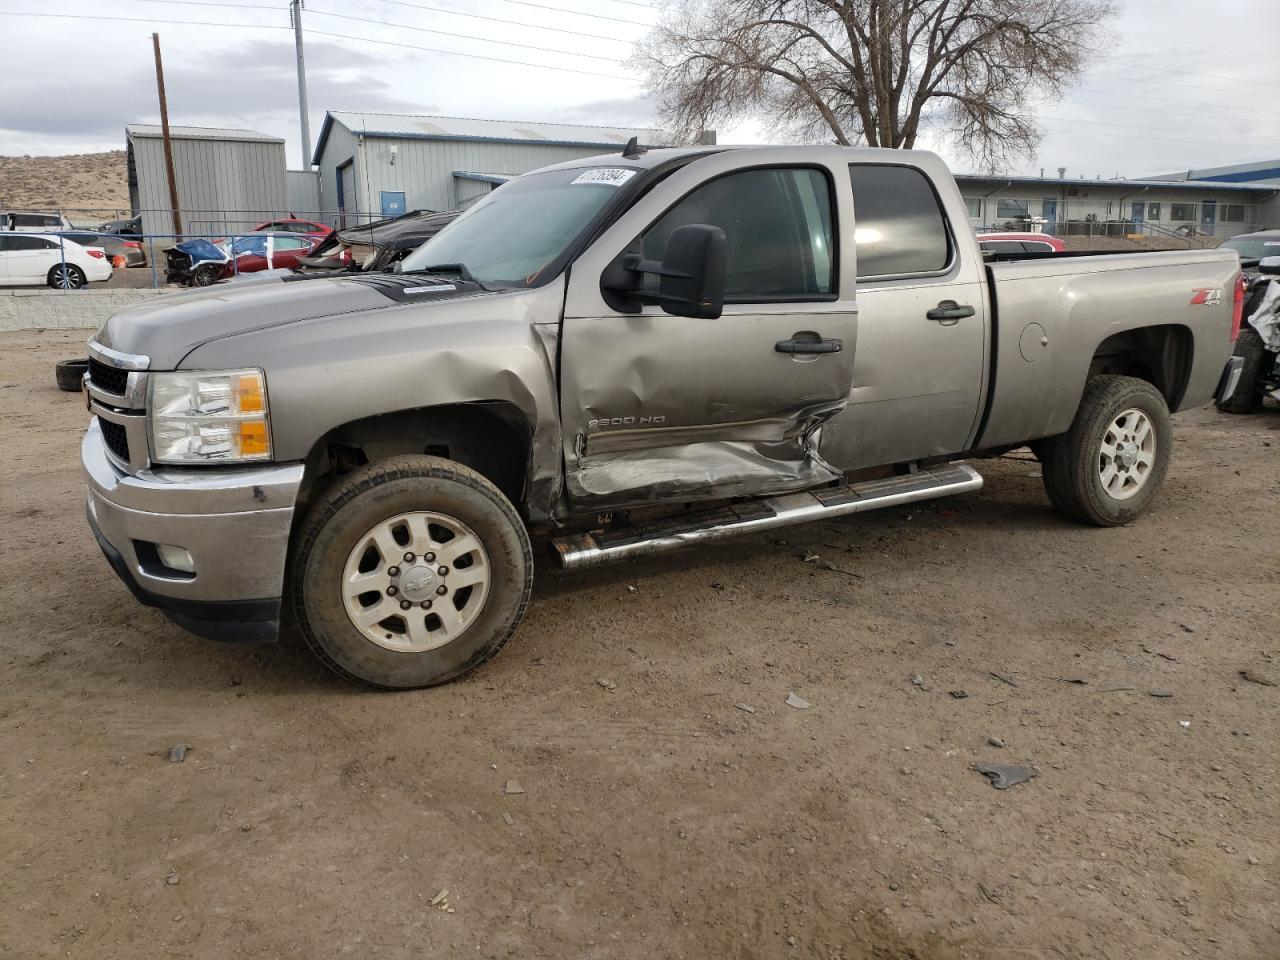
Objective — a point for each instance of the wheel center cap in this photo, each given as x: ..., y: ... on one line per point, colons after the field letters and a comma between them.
x: 1129, y: 454
x: 418, y: 583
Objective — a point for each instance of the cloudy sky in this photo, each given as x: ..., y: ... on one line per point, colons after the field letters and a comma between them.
x: 1174, y: 87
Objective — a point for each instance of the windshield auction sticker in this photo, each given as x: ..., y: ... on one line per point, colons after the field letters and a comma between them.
x: 605, y: 176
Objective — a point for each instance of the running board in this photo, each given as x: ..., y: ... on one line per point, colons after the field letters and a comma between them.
x: 578, y: 550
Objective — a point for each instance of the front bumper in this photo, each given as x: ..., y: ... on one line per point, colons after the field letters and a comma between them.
x: 234, y: 523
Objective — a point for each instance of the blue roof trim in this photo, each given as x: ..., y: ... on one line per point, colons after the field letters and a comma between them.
x: 1243, y: 176
x: 482, y: 177
x: 1047, y: 182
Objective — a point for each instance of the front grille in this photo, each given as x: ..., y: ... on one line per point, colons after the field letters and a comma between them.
x: 108, y: 378
x: 116, y: 438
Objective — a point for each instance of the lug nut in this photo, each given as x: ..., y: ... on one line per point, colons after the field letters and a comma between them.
x: 405, y: 604
x: 442, y: 590
x: 429, y: 557
x: 393, y: 572
x: 426, y: 604
x: 408, y: 558
x: 392, y: 591
x: 443, y: 571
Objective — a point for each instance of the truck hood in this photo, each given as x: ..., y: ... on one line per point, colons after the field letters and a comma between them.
x: 170, y: 326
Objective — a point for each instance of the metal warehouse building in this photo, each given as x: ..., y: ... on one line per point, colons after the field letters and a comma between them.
x: 228, y: 180
x: 379, y: 164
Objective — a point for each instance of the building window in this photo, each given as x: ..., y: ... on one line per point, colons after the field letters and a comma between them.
x: 1232, y: 212
x: 974, y: 206
x: 1153, y: 211
x: 1010, y: 209
x: 1182, y: 211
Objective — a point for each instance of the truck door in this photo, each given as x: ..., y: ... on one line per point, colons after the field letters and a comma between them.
x: 663, y: 408
x: 922, y: 326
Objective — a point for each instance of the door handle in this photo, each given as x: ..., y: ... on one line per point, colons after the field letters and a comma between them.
x: 806, y: 341
x: 949, y: 312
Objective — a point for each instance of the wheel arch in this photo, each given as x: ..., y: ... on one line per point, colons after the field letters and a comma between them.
x: 492, y: 437
x: 1161, y: 354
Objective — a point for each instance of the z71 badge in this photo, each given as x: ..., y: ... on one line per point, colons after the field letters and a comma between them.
x: 1206, y: 296
x: 604, y: 422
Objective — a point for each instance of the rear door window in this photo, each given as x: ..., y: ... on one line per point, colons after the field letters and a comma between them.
x: 1002, y: 246
x: 899, y: 227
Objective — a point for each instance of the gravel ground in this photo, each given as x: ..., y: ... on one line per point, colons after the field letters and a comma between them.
x: 680, y: 808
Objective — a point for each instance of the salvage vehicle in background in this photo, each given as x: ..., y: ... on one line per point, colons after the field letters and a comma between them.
x: 371, y: 247
x: 30, y: 259
x: 31, y: 221
x: 113, y: 245
x: 1252, y: 247
x: 308, y: 228
x: 199, y: 262
x: 1258, y: 345
x: 130, y: 227
x: 622, y: 355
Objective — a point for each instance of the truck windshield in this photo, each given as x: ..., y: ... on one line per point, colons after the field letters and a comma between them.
x: 511, y: 236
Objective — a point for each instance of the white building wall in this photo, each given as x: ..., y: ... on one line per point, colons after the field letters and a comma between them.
x: 303, y: 190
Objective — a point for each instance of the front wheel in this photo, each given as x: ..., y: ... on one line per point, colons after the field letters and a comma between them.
x: 411, y: 572
x: 1106, y: 468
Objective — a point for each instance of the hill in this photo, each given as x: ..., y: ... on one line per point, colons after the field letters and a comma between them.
x: 81, y: 180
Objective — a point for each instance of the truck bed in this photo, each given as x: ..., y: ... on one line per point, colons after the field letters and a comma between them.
x: 1053, y: 313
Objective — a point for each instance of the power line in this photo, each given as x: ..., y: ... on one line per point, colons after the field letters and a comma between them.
x: 467, y: 36
x: 1120, y: 136
x: 512, y: 23
x: 579, y: 13
x: 319, y: 33
x: 472, y: 56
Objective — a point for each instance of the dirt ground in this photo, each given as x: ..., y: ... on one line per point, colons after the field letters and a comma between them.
x: 660, y: 816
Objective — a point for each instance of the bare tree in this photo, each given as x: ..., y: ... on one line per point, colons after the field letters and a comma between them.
x: 872, y: 71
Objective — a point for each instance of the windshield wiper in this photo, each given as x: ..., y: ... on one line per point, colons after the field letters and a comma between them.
x: 459, y: 268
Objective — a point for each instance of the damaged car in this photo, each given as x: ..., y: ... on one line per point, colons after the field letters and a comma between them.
x: 200, y: 262
x: 372, y: 247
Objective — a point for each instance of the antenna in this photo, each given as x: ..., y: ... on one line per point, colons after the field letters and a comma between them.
x: 633, y: 149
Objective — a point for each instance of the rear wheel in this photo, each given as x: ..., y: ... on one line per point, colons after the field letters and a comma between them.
x: 1249, y: 390
x: 1107, y: 467
x: 411, y: 572
x: 66, y: 276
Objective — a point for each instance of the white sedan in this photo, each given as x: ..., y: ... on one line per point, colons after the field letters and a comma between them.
x: 37, y: 258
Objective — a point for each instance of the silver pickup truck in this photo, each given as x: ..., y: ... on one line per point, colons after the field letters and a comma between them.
x: 616, y: 356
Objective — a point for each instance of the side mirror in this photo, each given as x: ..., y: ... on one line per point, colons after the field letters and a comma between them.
x: 691, y: 275
x: 1269, y: 266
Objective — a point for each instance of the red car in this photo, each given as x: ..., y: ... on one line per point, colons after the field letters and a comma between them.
x: 1020, y: 243
x: 307, y: 228
x: 249, y: 253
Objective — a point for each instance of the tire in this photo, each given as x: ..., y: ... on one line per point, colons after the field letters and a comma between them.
x: 205, y: 276
x: 74, y: 278
x: 338, y: 541
x: 1087, y: 484
x: 70, y: 374
x: 1249, y: 391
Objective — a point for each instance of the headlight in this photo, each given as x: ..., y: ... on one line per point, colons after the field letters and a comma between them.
x: 208, y: 417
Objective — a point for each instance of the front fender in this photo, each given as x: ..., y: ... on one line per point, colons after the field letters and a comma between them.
x: 326, y: 372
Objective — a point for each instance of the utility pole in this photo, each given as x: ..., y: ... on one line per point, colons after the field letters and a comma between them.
x: 168, y: 142
x: 295, y: 14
